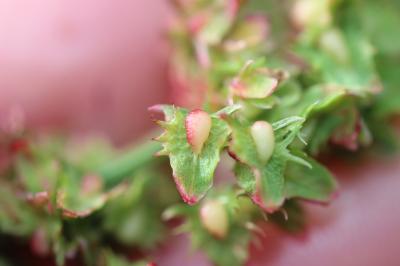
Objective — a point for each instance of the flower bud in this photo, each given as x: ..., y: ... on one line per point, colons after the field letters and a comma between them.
x: 263, y: 136
x: 254, y: 82
x: 306, y: 13
x: 198, y: 126
x: 251, y: 32
x: 332, y: 42
x: 214, y: 218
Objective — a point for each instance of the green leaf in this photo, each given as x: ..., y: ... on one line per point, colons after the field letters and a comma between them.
x: 265, y: 186
x: 315, y: 183
x: 264, y: 182
x: 251, y: 32
x: 193, y: 173
x: 332, y: 114
x: 322, y: 131
x: 49, y: 178
x: 231, y: 250
x: 228, y: 110
x: 289, y: 93
x: 245, y: 177
x: 74, y: 202
x: 133, y: 218
x: 355, y: 71
x: 242, y: 146
x: 381, y: 27
x: 255, y: 82
x: 286, y: 122
x: 16, y: 216
x: 270, y: 190
x: 388, y: 102
x: 217, y: 22
x: 260, y: 104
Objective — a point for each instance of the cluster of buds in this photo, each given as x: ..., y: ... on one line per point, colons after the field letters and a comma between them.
x: 205, y: 36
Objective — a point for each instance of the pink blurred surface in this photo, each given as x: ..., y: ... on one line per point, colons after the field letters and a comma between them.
x: 97, y: 65
x: 83, y: 65
x: 359, y: 228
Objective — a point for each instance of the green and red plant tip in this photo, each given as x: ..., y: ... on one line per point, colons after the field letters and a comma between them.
x: 272, y: 85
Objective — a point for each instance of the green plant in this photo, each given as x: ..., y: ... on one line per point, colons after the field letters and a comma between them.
x: 271, y: 84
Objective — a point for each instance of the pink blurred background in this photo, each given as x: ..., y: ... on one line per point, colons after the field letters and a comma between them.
x: 92, y: 65
x: 96, y: 65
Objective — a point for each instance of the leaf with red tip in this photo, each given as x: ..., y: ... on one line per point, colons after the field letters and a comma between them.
x: 264, y: 186
x: 251, y: 32
x: 217, y: 226
x: 193, y: 155
x: 254, y: 82
x: 264, y: 181
x: 72, y: 205
x: 213, y: 21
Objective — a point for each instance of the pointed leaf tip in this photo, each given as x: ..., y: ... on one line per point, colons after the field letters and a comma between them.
x: 189, y: 199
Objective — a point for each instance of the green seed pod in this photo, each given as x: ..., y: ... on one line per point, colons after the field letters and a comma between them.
x: 263, y: 136
x: 214, y: 218
x: 198, y: 126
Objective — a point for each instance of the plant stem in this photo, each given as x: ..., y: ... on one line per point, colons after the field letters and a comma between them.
x: 128, y: 162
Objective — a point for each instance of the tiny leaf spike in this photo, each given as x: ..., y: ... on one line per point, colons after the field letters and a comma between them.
x: 198, y: 126
x: 214, y: 218
x: 263, y: 136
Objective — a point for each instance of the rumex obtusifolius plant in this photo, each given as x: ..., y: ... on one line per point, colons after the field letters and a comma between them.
x: 277, y: 99
x: 264, y: 87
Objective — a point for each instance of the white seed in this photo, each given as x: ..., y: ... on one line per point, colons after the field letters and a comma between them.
x: 214, y: 218
x: 263, y: 136
x: 198, y: 126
